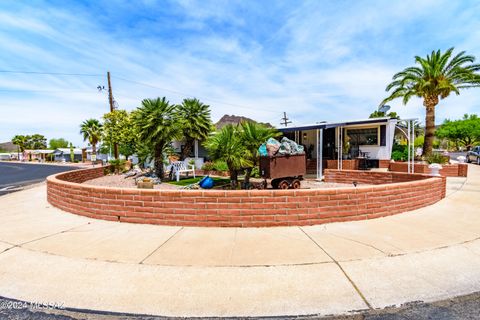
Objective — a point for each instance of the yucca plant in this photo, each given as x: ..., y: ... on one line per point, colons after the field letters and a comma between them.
x: 436, y: 77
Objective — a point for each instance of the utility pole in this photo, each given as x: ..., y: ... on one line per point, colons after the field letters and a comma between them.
x: 285, y: 121
x: 110, y: 100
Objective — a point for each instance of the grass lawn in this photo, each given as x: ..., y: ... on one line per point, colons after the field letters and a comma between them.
x: 186, y: 182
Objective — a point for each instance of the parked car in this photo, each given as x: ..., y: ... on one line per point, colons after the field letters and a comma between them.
x: 474, y: 155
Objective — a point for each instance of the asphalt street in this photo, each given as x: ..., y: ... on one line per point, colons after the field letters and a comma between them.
x: 13, y: 174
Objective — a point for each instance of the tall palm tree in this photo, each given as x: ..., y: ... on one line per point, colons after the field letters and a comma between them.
x: 253, y: 135
x: 435, y: 78
x: 195, y: 121
x: 92, y: 130
x: 228, y: 146
x: 157, y: 126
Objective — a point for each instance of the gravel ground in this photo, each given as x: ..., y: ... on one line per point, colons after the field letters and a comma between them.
x: 120, y: 181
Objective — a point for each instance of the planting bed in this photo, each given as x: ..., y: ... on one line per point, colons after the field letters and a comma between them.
x: 392, y: 193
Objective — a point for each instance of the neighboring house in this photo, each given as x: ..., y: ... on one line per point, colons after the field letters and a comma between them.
x: 349, y: 140
x: 63, y: 154
x: 38, y: 154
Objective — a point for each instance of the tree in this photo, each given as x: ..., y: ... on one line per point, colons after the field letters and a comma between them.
x: 437, y: 76
x: 195, y: 121
x: 157, y: 126
x: 252, y: 136
x: 465, y: 131
x: 37, y: 141
x: 20, y: 141
x: 380, y: 114
x: 227, y: 145
x: 58, y: 143
x: 119, y: 128
x: 92, y: 131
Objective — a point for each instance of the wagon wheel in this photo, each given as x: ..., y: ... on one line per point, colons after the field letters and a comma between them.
x: 263, y: 184
x: 296, y: 184
x: 284, y: 185
x: 275, y: 183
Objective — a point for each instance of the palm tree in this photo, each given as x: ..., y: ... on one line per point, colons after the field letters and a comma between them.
x: 435, y: 78
x: 228, y: 146
x: 157, y: 126
x: 253, y: 135
x: 92, y: 131
x: 194, y: 117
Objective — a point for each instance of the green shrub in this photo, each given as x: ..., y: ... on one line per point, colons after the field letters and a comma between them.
x: 397, y: 155
x: 436, y: 158
x: 208, y: 166
x: 255, y: 172
x: 118, y: 165
x: 399, y: 152
x: 220, y: 166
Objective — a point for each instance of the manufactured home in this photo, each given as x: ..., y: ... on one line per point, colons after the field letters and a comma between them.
x: 360, y: 144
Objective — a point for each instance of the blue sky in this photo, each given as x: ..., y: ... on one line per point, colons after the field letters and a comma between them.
x: 316, y: 60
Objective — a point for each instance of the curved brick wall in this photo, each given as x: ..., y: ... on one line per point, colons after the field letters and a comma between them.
x: 242, y: 208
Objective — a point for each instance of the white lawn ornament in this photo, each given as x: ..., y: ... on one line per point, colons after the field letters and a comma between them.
x: 435, y: 169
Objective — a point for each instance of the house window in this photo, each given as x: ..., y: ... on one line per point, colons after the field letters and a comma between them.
x: 363, y: 137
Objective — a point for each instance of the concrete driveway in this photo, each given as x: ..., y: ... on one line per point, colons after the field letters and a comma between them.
x: 429, y: 254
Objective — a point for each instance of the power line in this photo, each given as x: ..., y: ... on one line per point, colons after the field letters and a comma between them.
x: 54, y: 91
x: 120, y: 78
x: 190, y: 95
x: 53, y: 73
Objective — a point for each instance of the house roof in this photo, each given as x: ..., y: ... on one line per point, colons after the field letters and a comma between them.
x: 328, y: 125
x: 39, y: 151
x: 67, y: 150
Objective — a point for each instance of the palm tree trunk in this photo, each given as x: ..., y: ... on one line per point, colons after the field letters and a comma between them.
x: 246, y: 180
x: 186, y: 149
x: 158, y: 162
x: 233, y: 176
x: 94, y: 151
x: 430, y: 104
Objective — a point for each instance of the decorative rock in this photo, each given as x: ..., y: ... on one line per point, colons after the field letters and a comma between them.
x: 145, y: 184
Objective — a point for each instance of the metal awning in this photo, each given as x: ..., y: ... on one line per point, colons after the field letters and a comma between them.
x: 328, y: 125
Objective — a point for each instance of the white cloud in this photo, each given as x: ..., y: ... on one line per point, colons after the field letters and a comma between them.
x: 314, y: 60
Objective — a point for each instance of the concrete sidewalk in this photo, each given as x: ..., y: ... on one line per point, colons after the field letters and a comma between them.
x: 47, y: 255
